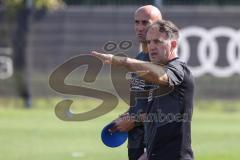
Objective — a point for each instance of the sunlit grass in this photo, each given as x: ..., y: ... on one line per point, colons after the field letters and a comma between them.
x: 38, y: 134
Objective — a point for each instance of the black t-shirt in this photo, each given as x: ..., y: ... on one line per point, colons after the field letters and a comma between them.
x: 168, y: 130
x: 136, y: 135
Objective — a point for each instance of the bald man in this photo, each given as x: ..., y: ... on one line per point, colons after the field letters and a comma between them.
x: 144, y: 16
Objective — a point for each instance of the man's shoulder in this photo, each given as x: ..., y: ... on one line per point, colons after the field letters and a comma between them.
x: 177, y: 62
x: 139, y: 55
x: 178, y: 72
x: 142, y: 56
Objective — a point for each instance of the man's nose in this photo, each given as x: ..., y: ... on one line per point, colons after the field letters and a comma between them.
x: 141, y: 28
x: 151, y: 46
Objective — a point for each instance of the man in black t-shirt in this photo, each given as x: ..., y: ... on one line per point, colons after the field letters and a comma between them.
x: 169, y: 135
x: 168, y: 119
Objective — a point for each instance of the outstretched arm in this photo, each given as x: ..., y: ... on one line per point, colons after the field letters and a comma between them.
x: 153, y: 73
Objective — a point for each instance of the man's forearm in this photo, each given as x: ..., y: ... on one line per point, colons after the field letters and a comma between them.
x: 147, y: 70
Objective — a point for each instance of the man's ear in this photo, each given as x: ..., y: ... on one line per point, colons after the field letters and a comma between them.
x: 173, y: 45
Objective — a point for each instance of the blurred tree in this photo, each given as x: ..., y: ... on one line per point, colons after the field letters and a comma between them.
x: 108, y: 2
x: 164, y: 2
x: 18, y: 13
x: 12, y: 7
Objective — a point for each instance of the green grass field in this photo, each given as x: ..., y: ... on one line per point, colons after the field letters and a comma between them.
x: 37, y: 134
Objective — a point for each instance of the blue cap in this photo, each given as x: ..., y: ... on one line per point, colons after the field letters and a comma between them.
x: 113, y: 139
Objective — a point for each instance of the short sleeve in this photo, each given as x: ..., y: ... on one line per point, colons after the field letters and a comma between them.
x: 175, y: 72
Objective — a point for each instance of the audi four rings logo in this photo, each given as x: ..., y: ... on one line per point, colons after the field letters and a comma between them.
x: 208, y: 40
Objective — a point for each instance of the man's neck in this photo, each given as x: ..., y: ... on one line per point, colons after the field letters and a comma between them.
x: 172, y: 56
x: 144, y: 47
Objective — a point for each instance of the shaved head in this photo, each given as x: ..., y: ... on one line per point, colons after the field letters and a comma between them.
x: 153, y: 12
x: 145, y: 16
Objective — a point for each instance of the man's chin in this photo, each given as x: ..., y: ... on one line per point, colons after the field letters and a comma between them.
x: 141, y: 39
